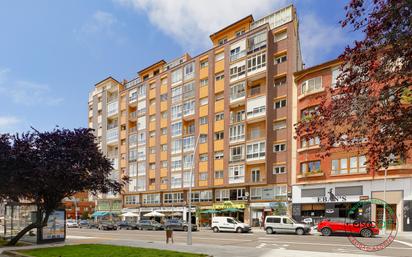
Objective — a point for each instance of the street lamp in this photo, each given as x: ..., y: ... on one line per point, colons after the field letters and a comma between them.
x: 391, y: 158
x: 74, y: 200
x: 189, y: 225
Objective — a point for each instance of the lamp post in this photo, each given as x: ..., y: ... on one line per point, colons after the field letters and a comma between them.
x: 189, y: 224
x: 391, y: 159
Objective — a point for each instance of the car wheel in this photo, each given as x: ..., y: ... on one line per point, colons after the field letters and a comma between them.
x: 300, y: 231
x: 215, y: 229
x: 269, y: 231
x: 326, y: 231
x: 239, y: 230
x: 366, y: 232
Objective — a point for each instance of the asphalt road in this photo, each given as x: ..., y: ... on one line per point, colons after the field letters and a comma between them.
x: 256, y: 240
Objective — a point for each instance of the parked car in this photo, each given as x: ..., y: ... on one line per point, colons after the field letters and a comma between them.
x: 107, y: 226
x: 149, y: 225
x: 229, y: 224
x: 180, y: 225
x: 84, y: 224
x: 93, y: 224
x: 71, y: 224
x: 285, y: 224
x: 126, y: 225
x: 343, y: 225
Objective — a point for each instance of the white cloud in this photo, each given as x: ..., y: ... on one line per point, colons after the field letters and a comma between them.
x: 319, y: 38
x: 8, y: 123
x: 190, y: 22
x: 25, y: 92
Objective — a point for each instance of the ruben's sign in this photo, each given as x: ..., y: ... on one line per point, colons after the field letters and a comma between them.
x: 332, y: 198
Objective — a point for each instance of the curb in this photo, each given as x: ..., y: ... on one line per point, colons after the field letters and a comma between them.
x: 15, y: 254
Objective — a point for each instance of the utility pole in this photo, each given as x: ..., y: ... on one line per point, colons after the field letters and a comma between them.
x: 189, y: 224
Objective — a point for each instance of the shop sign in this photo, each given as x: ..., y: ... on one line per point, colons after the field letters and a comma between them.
x: 332, y: 197
x: 228, y: 204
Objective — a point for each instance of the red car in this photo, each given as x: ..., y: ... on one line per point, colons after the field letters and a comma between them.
x: 344, y: 225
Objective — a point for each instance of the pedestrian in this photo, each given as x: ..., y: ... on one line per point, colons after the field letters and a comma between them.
x: 262, y: 220
x: 169, y: 234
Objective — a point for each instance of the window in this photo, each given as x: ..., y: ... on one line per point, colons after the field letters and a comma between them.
x: 219, y: 155
x: 187, y: 161
x: 204, y: 82
x: 219, y: 96
x: 176, y: 111
x: 188, y: 143
x: 308, y: 113
x: 219, y: 135
x: 176, y: 145
x: 237, y: 70
x: 163, y: 147
x: 237, y: 194
x: 189, y: 71
x: 256, y: 151
x: 203, y: 157
x: 257, y: 42
x: 311, y: 85
x: 222, y: 195
x: 151, y: 199
x: 177, y: 94
x: 202, y: 196
x: 219, y: 116
x: 218, y: 174
x: 152, y: 150
x: 237, y: 132
x: 255, y: 90
x: 280, y: 82
x: 280, y: 36
x: 279, y: 147
x: 152, y: 165
x: 256, y: 62
x: 203, y: 120
x: 222, y: 41
x: 237, y: 91
x: 177, y: 76
x: 152, y: 118
x: 176, y: 129
x: 219, y: 76
x: 164, y: 164
x: 164, y: 180
x: 278, y: 125
x: 187, y: 179
x: 310, y: 167
x: 163, y: 81
x: 237, y: 153
x: 357, y: 164
x: 163, y: 115
x: 254, y: 132
x: 203, y: 101
x: 189, y: 107
x: 172, y: 197
x: 280, y: 104
x: 240, y: 32
x: 279, y: 169
x: 163, y: 97
x: 255, y: 173
x: 335, y: 74
x: 238, y: 116
x: 219, y: 56
x: 281, y: 59
x: 202, y: 139
x: 203, y: 176
x: 132, y: 169
x: 236, y: 174
x: 204, y: 64
x: 309, y: 142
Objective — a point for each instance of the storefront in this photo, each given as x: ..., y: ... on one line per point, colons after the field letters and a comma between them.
x: 258, y: 211
x: 232, y: 209
x: 336, y: 199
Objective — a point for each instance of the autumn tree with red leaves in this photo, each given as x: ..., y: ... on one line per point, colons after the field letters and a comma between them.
x: 370, y: 109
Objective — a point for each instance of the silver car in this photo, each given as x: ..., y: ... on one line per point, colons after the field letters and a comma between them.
x: 285, y: 224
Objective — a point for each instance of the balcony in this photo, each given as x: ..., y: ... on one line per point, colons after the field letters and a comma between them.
x: 236, y: 179
x: 238, y: 55
x: 237, y: 98
x: 133, y: 115
x: 237, y: 158
x: 236, y: 139
x: 256, y: 47
x: 256, y: 112
x: 112, y: 135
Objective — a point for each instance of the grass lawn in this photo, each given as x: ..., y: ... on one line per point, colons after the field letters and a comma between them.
x: 95, y: 250
x: 4, y: 242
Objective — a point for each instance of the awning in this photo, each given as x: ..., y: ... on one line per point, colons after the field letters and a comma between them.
x: 210, y: 211
x: 100, y: 214
x: 232, y: 210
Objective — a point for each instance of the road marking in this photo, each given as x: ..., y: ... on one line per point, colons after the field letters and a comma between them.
x: 342, y: 245
x: 285, y: 245
x: 402, y: 242
x: 281, y: 248
x: 261, y: 245
x: 80, y: 237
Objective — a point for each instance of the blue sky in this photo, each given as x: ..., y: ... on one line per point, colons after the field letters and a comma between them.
x: 53, y: 52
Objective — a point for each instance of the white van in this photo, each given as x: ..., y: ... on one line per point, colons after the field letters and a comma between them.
x: 229, y: 224
x: 285, y: 224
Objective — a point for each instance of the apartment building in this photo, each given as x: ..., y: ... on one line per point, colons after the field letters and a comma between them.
x: 329, y: 187
x: 226, y: 114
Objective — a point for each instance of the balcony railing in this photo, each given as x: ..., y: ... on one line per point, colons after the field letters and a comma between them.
x: 237, y: 158
x: 256, y: 112
x: 237, y: 55
x: 112, y: 135
x: 255, y: 156
x: 238, y: 96
x: 236, y: 179
x: 256, y: 47
x: 237, y: 138
x: 133, y: 115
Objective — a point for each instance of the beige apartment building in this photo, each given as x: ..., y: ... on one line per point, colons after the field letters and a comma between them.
x: 226, y: 114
